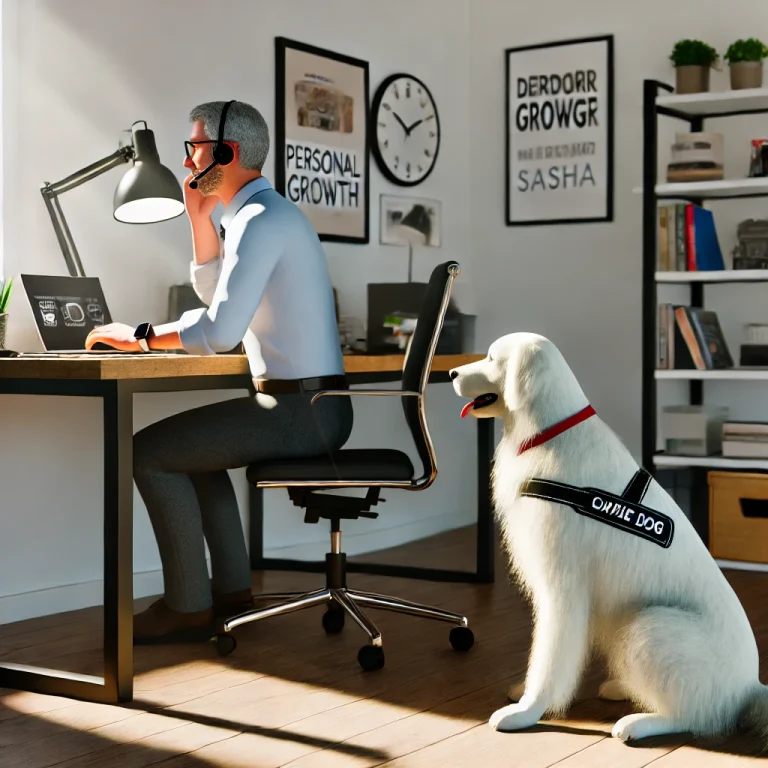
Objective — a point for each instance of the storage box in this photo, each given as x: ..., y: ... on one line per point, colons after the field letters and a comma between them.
x: 738, y: 516
x: 693, y: 430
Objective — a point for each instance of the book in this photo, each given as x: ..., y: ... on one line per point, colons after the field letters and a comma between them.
x: 691, y: 338
x: 702, y: 246
x: 746, y: 428
x: 687, y: 239
x: 745, y: 449
x: 710, y: 337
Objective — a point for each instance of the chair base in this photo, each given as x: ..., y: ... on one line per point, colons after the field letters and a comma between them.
x: 342, y: 602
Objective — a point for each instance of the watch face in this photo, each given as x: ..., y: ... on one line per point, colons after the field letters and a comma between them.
x: 406, y: 135
x: 142, y: 331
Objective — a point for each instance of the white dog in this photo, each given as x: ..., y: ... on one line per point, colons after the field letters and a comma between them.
x: 632, y: 582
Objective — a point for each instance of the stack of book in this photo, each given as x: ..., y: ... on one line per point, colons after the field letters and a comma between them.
x: 745, y: 439
x: 691, y: 337
x: 687, y: 239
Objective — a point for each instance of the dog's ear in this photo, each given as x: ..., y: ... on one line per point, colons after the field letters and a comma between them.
x: 522, y: 372
x: 545, y: 384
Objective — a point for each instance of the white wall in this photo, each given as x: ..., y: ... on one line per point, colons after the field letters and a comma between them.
x: 71, y: 82
x: 581, y: 284
x: 76, y: 73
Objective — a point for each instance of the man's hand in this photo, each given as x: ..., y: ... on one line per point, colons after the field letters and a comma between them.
x: 198, y: 205
x: 117, y: 335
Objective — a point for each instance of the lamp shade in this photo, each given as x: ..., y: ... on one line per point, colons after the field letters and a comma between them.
x: 416, y: 225
x: 148, y: 192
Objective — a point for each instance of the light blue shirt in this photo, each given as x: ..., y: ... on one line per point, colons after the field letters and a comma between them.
x: 270, y: 289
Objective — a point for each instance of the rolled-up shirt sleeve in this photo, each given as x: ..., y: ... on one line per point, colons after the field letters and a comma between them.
x: 204, y: 278
x: 244, y: 274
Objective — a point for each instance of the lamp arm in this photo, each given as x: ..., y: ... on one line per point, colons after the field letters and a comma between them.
x: 50, y: 193
x: 118, y: 157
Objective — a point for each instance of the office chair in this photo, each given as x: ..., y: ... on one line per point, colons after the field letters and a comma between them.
x: 372, y: 469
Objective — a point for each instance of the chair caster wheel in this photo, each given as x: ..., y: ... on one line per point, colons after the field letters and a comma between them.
x: 462, y: 638
x: 333, y: 620
x: 225, y: 644
x: 371, y: 657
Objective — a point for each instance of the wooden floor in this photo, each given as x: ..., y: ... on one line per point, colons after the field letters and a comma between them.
x: 290, y: 695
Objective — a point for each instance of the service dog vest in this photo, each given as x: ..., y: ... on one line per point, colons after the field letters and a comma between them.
x: 625, y: 512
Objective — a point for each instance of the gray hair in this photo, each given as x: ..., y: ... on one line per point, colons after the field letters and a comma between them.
x: 245, y: 125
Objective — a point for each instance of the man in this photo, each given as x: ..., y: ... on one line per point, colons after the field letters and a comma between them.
x: 270, y: 289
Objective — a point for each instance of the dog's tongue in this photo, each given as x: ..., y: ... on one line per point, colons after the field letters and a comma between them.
x: 468, y: 407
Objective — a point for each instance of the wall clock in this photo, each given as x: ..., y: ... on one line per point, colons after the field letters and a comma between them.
x: 406, y: 130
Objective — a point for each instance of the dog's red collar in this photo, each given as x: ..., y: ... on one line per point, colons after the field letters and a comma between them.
x: 557, y: 429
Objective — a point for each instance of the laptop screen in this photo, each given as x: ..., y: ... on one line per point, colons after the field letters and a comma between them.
x: 65, y: 308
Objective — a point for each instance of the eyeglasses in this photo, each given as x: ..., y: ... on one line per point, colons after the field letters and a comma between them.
x: 189, y: 146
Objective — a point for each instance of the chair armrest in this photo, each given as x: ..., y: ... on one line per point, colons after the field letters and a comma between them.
x: 369, y: 392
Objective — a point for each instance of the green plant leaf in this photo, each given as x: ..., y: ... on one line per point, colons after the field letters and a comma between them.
x: 687, y: 53
x: 750, y: 49
x: 5, y: 295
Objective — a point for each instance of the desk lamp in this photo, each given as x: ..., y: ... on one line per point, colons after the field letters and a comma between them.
x: 148, y: 192
x: 415, y: 226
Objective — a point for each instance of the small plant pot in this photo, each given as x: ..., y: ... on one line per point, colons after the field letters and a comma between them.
x: 3, y: 325
x: 746, y: 74
x: 691, y: 79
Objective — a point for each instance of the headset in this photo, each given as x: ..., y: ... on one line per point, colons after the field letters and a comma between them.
x: 223, y: 154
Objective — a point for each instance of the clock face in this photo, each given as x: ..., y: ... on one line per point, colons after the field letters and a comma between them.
x: 406, y: 130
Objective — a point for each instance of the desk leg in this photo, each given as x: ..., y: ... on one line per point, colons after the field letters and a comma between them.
x: 118, y: 542
x: 486, y: 540
x: 117, y: 684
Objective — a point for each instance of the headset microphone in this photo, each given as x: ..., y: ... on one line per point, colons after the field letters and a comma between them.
x: 193, y: 183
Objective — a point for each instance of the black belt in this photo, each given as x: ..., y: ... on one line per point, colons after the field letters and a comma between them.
x: 624, y: 512
x: 292, y: 386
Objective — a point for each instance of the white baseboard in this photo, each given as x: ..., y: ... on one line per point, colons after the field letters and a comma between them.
x: 740, y: 565
x: 72, y: 597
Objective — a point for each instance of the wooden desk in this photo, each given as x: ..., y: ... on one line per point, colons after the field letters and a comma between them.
x: 115, y: 380
x: 159, y: 366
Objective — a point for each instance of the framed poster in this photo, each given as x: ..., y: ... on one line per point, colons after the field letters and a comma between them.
x: 321, y: 138
x: 559, y: 132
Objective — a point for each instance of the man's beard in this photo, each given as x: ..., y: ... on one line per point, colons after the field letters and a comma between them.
x: 211, y: 181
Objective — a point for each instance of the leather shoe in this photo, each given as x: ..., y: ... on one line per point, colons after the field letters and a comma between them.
x: 160, y: 624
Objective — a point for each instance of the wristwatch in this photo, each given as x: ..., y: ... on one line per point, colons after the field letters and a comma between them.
x: 142, y: 334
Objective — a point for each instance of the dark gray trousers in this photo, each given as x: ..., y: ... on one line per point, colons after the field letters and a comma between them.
x: 180, y: 469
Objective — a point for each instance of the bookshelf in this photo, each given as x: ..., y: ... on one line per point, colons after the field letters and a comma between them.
x: 711, y: 190
x: 724, y: 276
x: 659, y: 100
x: 722, y: 374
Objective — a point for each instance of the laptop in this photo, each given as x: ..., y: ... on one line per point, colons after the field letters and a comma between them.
x: 66, y: 309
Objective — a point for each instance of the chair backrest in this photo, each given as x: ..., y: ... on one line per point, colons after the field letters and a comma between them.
x: 418, y: 361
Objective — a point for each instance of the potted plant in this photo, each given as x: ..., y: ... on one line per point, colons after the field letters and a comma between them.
x: 5, y: 295
x: 692, y: 60
x: 745, y: 61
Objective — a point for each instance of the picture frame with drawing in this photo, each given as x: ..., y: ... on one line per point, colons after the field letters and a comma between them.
x: 321, y: 138
x: 421, y: 216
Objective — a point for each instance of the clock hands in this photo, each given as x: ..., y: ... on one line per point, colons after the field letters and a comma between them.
x: 410, y: 128
x: 407, y: 128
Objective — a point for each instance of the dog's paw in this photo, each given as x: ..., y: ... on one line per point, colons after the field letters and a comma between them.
x: 514, y: 717
x: 641, y: 726
x: 516, y: 691
x: 612, y: 690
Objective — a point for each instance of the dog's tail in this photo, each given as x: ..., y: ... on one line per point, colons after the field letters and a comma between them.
x: 754, y: 715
